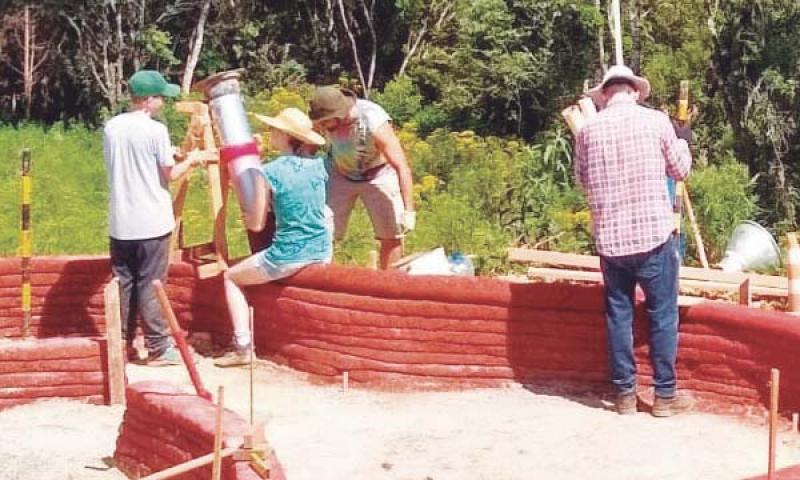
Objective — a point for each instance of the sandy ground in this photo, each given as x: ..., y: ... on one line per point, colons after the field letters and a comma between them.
x: 322, y: 432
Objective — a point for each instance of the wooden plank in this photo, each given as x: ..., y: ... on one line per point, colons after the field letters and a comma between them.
x: 116, y: 361
x: 576, y: 275
x: 591, y: 262
x: 191, y: 107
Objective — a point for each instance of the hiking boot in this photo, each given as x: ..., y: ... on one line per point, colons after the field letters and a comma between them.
x: 667, y: 407
x: 170, y: 356
x: 625, y: 403
x: 235, y: 358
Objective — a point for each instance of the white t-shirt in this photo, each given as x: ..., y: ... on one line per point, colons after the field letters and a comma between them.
x: 135, y: 148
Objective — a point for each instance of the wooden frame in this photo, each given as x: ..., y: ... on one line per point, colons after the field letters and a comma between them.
x: 212, y: 257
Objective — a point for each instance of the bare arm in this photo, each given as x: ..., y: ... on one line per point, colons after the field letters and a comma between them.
x: 389, y: 146
x: 180, y: 168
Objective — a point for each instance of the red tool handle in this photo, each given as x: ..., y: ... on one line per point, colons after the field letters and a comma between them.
x: 180, y: 340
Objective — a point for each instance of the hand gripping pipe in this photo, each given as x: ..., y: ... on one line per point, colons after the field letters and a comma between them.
x: 239, y: 151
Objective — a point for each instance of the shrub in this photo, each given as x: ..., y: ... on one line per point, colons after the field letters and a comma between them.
x: 722, y: 196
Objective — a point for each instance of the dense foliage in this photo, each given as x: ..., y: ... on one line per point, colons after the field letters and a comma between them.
x: 475, y: 88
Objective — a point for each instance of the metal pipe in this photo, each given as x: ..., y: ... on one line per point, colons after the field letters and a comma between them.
x: 239, y: 150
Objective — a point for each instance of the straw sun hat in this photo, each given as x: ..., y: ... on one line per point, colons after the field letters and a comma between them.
x: 621, y: 72
x: 294, y: 123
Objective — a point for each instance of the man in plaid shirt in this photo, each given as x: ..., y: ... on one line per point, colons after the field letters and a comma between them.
x: 623, y: 157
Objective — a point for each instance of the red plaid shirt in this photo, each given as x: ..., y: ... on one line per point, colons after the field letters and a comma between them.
x: 622, y: 159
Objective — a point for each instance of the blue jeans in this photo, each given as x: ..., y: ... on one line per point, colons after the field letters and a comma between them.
x: 657, y: 273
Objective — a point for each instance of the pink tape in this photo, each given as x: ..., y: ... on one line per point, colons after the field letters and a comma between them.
x: 229, y: 153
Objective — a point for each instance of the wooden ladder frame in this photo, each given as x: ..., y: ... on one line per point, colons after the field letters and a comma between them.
x: 209, y: 258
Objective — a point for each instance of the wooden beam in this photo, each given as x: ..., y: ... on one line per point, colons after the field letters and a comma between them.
x: 591, y: 262
x: 116, y: 360
x: 190, y: 465
x: 577, y: 275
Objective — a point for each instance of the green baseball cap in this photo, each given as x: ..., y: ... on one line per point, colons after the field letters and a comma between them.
x: 148, y: 83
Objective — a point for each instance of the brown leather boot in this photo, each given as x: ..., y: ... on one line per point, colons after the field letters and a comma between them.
x: 667, y: 407
x: 625, y: 403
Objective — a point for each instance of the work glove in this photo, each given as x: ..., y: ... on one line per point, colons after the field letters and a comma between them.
x: 408, y: 221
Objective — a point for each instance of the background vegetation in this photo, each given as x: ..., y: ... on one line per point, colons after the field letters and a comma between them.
x: 475, y: 88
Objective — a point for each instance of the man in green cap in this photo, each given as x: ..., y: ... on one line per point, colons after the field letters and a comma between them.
x: 367, y: 162
x: 140, y: 162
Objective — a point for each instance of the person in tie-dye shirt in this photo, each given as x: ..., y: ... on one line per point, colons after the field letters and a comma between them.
x: 366, y: 161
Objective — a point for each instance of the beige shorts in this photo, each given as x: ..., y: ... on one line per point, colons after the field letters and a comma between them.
x: 381, y: 197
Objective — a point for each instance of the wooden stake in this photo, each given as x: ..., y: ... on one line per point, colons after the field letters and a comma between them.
x: 116, y: 361
x: 774, y: 384
x: 794, y: 422
x: 745, y: 293
x: 180, y: 340
x: 216, y: 468
x: 26, y: 237
x: 345, y: 381
x: 701, y: 249
x: 190, y: 465
x: 252, y: 354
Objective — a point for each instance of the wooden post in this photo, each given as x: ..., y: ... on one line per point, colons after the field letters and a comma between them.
x: 774, y: 390
x: 683, y: 102
x: 190, y: 465
x: 216, y: 467
x: 701, y: 249
x: 116, y: 360
x: 794, y: 422
x: 26, y: 249
x: 252, y: 353
x: 793, y: 273
x: 745, y: 293
x: 345, y: 381
x: 372, y: 259
x: 180, y: 341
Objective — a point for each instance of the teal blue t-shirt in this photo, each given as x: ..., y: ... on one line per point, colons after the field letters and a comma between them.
x: 299, y: 188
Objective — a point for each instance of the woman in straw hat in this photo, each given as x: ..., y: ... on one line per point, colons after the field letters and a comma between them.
x: 296, y: 186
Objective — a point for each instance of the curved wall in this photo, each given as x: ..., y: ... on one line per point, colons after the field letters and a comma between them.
x: 392, y: 330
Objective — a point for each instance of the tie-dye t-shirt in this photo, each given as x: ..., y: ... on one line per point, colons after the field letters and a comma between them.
x: 354, y: 153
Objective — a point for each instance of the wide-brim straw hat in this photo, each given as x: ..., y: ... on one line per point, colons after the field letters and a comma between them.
x: 620, y: 72
x: 294, y: 123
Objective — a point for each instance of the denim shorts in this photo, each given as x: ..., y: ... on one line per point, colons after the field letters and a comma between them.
x: 272, y: 271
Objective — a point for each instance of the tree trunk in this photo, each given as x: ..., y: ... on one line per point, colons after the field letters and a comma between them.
x: 196, y: 47
x: 601, y: 40
x: 27, y: 62
x: 354, y: 47
x: 634, y: 16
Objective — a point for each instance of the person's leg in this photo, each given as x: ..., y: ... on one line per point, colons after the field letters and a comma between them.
x: 342, y: 194
x: 246, y: 272
x: 121, y: 266
x: 619, y: 284
x: 384, y: 203
x: 391, y: 251
x: 251, y: 271
x: 658, y: 276
x: 153, y: 258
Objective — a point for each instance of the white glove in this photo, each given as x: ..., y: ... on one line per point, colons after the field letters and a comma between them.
x: 408, y: 221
